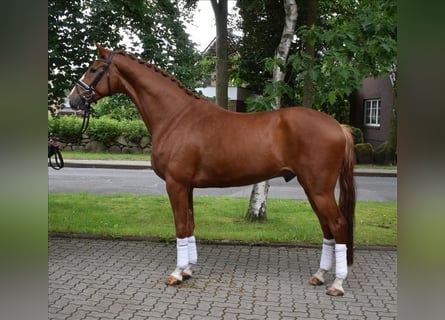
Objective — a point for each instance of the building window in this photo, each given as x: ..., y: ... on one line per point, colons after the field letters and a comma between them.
x: 372, y: 112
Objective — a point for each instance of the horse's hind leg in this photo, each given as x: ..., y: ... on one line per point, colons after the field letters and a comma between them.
x: 335, y: 235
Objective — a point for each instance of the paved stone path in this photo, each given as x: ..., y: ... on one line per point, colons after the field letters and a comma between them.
x: 112, y: 279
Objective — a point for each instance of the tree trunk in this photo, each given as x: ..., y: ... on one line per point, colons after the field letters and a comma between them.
x: 391, y: 145
x: 258, y: 197
x: 258, y: 202
x: 308, y: 88
x: 220, y: 10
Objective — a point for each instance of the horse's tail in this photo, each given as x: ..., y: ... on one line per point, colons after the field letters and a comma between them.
x: 347, y: 191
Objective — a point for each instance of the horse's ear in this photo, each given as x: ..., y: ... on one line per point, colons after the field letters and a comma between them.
x: 102, y: 51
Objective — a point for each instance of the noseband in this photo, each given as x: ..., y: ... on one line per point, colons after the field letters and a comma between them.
x: 89, y: 91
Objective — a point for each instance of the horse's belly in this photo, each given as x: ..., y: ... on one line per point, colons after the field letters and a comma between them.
x: 235, y: 178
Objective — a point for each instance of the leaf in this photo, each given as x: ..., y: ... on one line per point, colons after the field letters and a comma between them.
x: 332, y: 97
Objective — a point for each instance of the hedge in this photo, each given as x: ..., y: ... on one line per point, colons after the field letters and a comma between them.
x: 103, y: 129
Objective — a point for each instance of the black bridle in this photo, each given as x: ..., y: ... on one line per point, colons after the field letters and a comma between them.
x: 89, y: 91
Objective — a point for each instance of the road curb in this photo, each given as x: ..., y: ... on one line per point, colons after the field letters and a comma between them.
x: 143, y: 165
x: 53, y: 234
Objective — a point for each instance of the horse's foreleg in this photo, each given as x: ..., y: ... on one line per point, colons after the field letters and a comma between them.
x: 181, y: 199
x: 192, y: 251
x: 193, y: 258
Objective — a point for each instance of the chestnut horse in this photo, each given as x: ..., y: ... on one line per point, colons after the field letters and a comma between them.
x: 197, y: 144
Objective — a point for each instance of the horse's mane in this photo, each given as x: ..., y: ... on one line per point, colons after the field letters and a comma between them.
x: 162, y: 72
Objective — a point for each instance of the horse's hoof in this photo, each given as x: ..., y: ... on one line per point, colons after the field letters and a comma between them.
x: 185, y: 276
x: 334, y: 292
x: 315, y: 281
x: 172, y: 281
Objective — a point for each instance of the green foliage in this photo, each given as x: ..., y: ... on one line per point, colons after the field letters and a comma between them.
x: 357, y: 134
x: 65, y: 128
x: 351, y: 47
x: 134, y: 130
x: 352, y: 40
x: 364, y: 153
x: 207, y: 66
x: 104, y: 129
x: 155, y: 30
x: 262, y: 23
x: 118, y: 107
x: 267, y: 100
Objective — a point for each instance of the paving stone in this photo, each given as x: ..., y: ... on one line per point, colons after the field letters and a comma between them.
x: 113, y: 279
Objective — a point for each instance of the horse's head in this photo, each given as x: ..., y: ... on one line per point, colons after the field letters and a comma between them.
x: 94, y: 84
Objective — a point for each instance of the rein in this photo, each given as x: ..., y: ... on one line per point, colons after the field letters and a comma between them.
x: 53, y: 150
x: 59, y: 164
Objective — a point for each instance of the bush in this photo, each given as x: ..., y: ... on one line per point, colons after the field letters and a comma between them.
x: 357, y: 133
x: 134, y: 130
x: 364, y: 153
x: 118, y: 107
x: 380, y: 156
x: 66, y: 128
x: 104, y: 129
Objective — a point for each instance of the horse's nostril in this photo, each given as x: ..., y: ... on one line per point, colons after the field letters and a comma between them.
x: 73, y: 103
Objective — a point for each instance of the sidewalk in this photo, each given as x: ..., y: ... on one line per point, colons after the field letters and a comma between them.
x: 142, y: 164
x: 103, y: 279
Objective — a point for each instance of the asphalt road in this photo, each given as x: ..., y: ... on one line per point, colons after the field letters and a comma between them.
x: 116, y: 181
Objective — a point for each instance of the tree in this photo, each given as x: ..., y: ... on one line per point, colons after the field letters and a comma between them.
x: 391, y: 145
x: 153, y: 30
x: 222, y: 77
x: 258, y: 198
x: 351, y: 40
x: 309, y: 50
x: 261, y: 23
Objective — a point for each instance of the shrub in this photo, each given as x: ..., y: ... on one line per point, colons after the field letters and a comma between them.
x: 104, y: 129
x: 357, y: 133
x: 53, y: 126
x: 117, y: 107
x: 380, y: 156
x: 134, y: 130
x: 66, y: 128
x: 364, y: 153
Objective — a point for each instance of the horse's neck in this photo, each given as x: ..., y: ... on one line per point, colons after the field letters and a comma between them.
x: 158, y: 97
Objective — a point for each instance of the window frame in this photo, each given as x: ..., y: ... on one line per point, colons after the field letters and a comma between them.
x: 372, y: 112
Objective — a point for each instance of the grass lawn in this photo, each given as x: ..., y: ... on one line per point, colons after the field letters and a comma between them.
x: 216, y: 218
x: 85, y: 155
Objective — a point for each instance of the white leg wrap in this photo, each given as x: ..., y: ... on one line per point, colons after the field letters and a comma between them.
x: 177, y: 274
x: 188, y: 270
x: 182, y: 253
x: 338, y: 284
x: 192, y: 252
x: 327, y: 254
x: 320, y: 274
x: 341, y: 266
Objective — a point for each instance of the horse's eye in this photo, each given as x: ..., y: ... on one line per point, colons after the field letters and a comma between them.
x: 92, y: 70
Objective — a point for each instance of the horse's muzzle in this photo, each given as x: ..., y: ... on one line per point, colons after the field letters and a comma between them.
x: 78, y: 102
